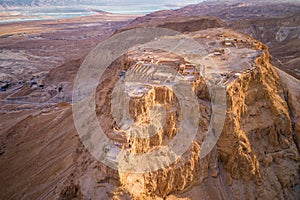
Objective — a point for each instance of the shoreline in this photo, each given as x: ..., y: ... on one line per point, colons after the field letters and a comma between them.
x: 8, y: 18
x: 28, y: 27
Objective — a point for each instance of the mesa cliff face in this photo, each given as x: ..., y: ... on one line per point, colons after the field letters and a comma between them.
x: 257, y: 143
x: 256, y: 156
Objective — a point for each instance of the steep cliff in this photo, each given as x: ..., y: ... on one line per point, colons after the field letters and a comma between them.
x: 256, y: 156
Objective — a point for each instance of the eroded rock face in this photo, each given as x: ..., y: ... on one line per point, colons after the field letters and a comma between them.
x: 257, y: 141
x: 144, y: 96
x: 256, y: 154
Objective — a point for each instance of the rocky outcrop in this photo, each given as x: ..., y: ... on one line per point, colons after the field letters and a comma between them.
x: 257, y: 140
x: 256, y: 155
